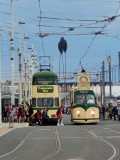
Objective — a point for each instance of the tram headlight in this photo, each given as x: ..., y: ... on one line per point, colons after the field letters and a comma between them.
x: 78, y: 113
x: 93, y: 112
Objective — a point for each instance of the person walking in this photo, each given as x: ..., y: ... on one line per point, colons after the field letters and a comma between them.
x: 118, y: 108
x: 60, y: 116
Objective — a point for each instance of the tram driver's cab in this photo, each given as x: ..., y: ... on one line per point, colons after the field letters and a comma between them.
x: 84, y: 98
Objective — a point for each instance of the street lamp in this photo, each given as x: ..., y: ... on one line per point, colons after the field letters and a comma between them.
x: 20, y: 62
x: 29, y: 62
x: 25, y: 65
x: 0, y: 95
x: 109, y: 62
x: 12, y: 57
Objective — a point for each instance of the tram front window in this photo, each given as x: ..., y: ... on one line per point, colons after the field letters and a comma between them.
x: 45, y: 102
x: 90, y: 99
x: 43, y: 81
x: 80, y: 99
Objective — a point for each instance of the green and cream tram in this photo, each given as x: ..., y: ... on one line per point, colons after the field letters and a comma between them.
x: 84, y: 108
x: 45, y: 93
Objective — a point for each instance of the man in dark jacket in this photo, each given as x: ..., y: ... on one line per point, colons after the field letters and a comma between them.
x: 115, y: 112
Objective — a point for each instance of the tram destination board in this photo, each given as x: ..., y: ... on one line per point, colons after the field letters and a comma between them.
x: 44, y: 89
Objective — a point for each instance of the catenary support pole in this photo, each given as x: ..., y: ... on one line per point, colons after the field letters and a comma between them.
x: 12, y: 57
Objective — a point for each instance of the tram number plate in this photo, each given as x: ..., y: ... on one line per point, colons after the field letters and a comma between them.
x: 45, y: 89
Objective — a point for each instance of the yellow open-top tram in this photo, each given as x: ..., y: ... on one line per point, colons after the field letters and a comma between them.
x: 84, y: 108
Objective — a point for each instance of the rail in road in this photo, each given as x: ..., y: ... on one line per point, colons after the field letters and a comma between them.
x: 69, y: 142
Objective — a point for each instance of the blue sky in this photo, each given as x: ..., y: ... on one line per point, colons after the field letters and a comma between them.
x: 89, y: 48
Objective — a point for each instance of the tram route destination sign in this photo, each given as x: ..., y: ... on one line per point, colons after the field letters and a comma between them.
x: 44, y: 89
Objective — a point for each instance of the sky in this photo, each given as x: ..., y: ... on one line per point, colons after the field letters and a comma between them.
x: 90, y: 27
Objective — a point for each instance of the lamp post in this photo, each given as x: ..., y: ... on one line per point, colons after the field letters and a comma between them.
x: 119, y: 67
x: 20, y: 62
x: 0, y: 99
x: 25, y: 65
x: 103, y: 83
x: 110, y: 89
x: 12, y: 57
x: 29, y: 76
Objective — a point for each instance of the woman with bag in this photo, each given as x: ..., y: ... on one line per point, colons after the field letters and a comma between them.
x: 60, y: 116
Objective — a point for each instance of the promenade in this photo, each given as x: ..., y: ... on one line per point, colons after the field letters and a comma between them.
x: 5, y: 127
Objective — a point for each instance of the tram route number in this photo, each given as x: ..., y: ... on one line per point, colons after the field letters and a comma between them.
x: 45, y: 89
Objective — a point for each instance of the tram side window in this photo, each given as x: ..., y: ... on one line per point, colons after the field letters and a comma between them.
x: 45, y: 102
x: 56, y: 101
x: 34, y: 102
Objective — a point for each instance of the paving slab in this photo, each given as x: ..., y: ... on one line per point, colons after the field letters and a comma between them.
x: 5, y: 127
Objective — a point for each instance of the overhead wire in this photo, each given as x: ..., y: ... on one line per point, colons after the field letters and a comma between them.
x: 40, y: 12
x: 68, y: 34
x: 109, y: 19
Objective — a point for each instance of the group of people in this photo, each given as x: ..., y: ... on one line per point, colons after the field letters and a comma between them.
x: 40, y: 118
x: 19, y: 113
x: 110, y: 112
x: 24, y: 113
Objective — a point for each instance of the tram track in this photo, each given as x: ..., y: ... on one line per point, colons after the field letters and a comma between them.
x: 45, y: 157
x: 21, y: 144
x: 58, y: 146
x: 114, y: 148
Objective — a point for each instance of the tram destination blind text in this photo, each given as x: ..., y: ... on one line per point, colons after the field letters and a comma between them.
x: 45, y: 89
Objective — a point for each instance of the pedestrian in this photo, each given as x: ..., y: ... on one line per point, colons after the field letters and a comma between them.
x: 38, y: 117
x: 30, y: 110
x: 21, y: 114
x: 115, y: 112
x: 60, y: 116
x: 110, y: 112
x: 5, y: 113
x: 103, y: 112
x: 118, y: 108
x: 11, y: 116
x: 32, y: 121
x: 45, y: 116
x: 26, y: 110
x: 9, y: 108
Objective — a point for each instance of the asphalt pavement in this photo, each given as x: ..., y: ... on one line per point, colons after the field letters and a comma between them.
x: 68, y: 142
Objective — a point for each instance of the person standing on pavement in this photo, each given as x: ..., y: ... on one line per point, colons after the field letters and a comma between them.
x: 30, y: 110
x: 11, y: 116
x: 115, y: 112
x: 110, y: 112
x: 103, y: 112
x: 60, y: 116
x: 118, y: 108
x: 5, y: 113
x: 45, y: 116
x: 38, y: 117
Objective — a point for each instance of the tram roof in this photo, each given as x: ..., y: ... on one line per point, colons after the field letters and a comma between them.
x: 44, y: 74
